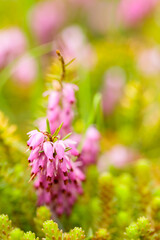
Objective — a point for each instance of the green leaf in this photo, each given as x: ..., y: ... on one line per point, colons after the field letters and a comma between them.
x: 37, y: 129
x: 96, y: 111
x: 54, y: 139
x: 67, y: 136
x: 67, y: 149
x: 57, y: 130
x: 48, y: 126
x: 41, y: 151
x: 67, y: 64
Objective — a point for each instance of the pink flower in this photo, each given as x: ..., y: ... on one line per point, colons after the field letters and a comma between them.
x: 60, y: 108
x: 133, y: 11
x: 46, y: 18
x: 149, y: 61
x: 69, y: 93
x: 53, y: 100
x: 48, y: 150
x: 118, y: 155
x: 58, y: 178
x: 90, y: 148
x: 60, y: 149
x: 92, y: 134
x: 73, y: 146
x: 63, y: 191
x: 61, y: 196
x: 113, y: 89
x: 35, y: 139
x: 41, y: 123
x: 25, y: 70
x: 34, y: 154
x: 12, y: 44
x: 73, y: 43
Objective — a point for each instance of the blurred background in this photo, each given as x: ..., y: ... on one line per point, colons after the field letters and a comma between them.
x: 116, y: 46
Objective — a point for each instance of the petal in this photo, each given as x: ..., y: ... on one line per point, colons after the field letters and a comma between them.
x: 48, y: 150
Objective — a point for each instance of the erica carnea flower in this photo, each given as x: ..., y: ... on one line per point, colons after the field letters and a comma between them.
x: 63, y: 191
x: 133, y: 11
x: 25, y: 70
x: 58, y: 177
x: 114, y: 82
x: 12, y: 44
x: 149, y: 61
x: 73, y: 42
x: 44, y: 27
x: 60, y: 108
x: 91, y: 148
x: 118, y: 156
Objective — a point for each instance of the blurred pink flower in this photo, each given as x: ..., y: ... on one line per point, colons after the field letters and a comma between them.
x: 132, y: 12
x: 114, y: 81
x: 149, y: 61
x: 118, y: 155
x: 91, y: 147
x: 73, y: 44
x: 25, y: 70
x: 46, y: 18
x: 12, y: 44
x: 41, y: 123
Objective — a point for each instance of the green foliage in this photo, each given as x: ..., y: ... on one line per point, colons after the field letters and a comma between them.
x: 74, y: 234
x: 143, y: 175
x: 139, y: 230
x: 119, y: 197
x: 106, y: 195
x: 14, y: 177
x: 29, y: 236
x: 16, y: 234
x: 51, y: 231
x: 5, y: 227
x: 42, y: 214
x: 142, y: 169
x: 87, y: 208
x: 144, y: 227
x: 132, y: 232
x: 101, y: 234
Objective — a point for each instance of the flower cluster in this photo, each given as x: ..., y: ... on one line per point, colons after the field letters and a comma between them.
x: 113, y: 87
x: 44, y: 28
x: 118, y: 156
x: 9, y: 50
x: 90, y: 148
x: 73, y: 42
x: 59, y: 179
x: 60, y: 108
x: 24, y: 69
x: 133, y: 11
